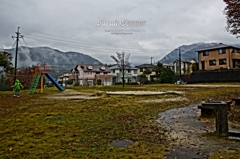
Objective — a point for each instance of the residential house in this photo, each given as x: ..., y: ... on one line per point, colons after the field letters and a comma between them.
x: 63, y: 79
x: 142, y: 69
x: 218, y: 56
x: 130, y: 74
x: 91, y: 74
x: 186, y: 66
x: 171, y: 66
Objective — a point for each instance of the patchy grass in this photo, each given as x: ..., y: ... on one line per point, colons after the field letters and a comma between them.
x: 232, y: 154
x: 36, y: 127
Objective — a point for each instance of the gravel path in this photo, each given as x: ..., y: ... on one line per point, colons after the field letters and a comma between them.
x: 184, y: 131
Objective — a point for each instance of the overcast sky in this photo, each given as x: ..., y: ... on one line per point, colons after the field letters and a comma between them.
x: 156, y: 26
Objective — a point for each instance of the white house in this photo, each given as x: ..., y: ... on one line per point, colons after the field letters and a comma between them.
x: 130, y: 74
x: 63, y: 79
x: 186, y: 66
x: 171, y: 66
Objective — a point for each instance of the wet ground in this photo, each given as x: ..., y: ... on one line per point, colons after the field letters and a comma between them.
x: 185, y: 133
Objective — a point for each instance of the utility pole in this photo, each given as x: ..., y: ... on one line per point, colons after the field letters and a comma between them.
x: 151, y: 60
x: 15, y: 67
x: 180, y: 71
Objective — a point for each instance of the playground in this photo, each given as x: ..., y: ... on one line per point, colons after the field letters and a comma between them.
x: 32, y: 78
x: 82, y: 122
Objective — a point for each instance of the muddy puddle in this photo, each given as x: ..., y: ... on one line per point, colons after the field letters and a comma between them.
x: 185, y: 132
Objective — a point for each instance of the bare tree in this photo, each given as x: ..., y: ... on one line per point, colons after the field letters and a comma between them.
x: 123, y: 63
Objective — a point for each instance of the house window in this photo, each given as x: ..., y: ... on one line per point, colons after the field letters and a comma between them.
x: 135, y: 71
x: 97, y: 72
x: 77, y: 73
x: 205, y: 53
x: 129, y: 71
x: 222, y: 51
x: 113, y: 71
x: 222, y: 61
x: 236, y: 50
x: 89, y: 73
x: 141, y: 69
x: 212, y: 62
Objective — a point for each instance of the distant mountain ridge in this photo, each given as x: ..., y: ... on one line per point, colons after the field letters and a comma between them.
x: 62, y: 62
x: 55, y: 59
x: 187, y: 52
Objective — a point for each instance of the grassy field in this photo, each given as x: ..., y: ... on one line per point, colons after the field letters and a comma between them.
x: 38, y: 126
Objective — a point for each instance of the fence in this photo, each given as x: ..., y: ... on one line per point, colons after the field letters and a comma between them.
x: 222, y: 75
x: 4, y: 83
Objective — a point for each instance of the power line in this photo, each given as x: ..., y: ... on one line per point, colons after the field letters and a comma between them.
x: 88, y: 48
x: 77, y: 41
x: 66, y: 42
x: 85, y: 45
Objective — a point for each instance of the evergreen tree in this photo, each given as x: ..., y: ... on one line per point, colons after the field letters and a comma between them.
x: 6, y: 62
x: 164, y: 75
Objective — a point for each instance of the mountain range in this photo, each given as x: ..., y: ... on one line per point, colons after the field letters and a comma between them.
x: 56, y: 60
x: 62, y: 62
x: 187, y: 52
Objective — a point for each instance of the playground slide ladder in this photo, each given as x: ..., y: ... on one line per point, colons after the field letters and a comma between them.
x: 34, y: 83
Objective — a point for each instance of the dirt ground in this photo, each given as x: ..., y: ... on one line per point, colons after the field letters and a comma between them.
x: 209, y: 85
x: 69, y: 94
x: 143, y: 92
x: 183, y: 127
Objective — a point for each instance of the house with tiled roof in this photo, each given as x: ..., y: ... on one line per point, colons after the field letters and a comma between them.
x: 147, y: 67
x: 91, y: 74
x: 220, y: 56
x: 130, y: 75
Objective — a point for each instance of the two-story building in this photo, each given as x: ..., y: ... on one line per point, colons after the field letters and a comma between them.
x: 218, y: 56
x: 145, y: 68
x: 170, y: 66
x: 186, y: 66
x: 63, y: 79
x: 89, y: 74
x: 130, y: 75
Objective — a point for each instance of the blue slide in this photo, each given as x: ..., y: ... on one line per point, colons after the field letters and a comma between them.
x: 54, y: 82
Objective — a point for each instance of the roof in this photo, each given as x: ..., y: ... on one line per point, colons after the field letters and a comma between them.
x: 215, y: 47
x: 116, y: 67
x: 166, y: 64
x: 185, y: 60
x: 64, y: 75
x: 146, y: 66
x: 95, y: 68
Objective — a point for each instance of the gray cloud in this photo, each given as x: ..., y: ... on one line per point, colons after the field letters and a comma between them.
x: 72, y: 25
